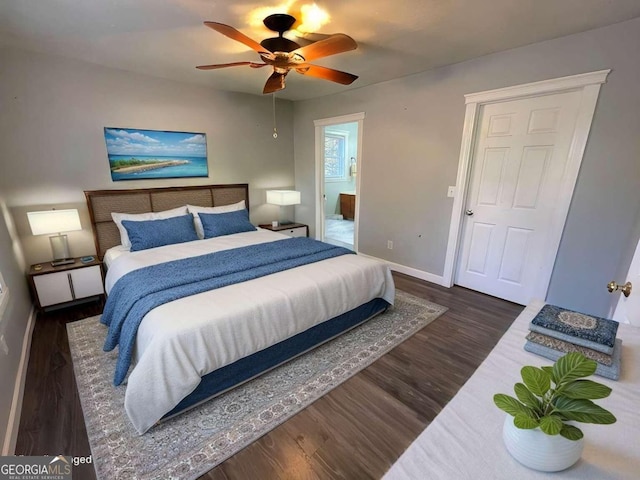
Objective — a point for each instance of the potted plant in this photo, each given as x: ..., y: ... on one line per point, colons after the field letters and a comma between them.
x: 541, y: 434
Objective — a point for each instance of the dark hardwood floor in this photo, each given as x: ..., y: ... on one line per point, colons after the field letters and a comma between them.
x: 357, y: 431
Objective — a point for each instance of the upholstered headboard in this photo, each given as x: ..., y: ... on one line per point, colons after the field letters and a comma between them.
x: 102, y: 202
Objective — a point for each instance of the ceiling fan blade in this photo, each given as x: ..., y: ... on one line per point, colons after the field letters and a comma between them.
x: 234, y: 64
x: 337, y: 43
x: 327, y: 74
x: 274, y: 83
x: 238, y: 37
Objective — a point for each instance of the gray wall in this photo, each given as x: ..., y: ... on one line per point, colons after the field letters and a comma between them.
x: 52, y: 115
x: 52, y: 144
x: 411, y: 143
x: 14, y: 321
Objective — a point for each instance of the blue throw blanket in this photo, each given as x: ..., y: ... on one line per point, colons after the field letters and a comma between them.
x: 139, y: 291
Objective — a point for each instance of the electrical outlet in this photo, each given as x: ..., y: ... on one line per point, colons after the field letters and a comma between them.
x: 390, y: 244
x: 3, y: 345
x: 451, y: 192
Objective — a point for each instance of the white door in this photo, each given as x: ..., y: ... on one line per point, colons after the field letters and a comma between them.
x: 628, y: 309
x: 517, y: 174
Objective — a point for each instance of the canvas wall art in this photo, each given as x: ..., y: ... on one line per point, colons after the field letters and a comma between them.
x: 154, y: 154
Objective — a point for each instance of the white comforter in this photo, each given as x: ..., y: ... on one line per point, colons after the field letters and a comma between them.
x: 183, y: 340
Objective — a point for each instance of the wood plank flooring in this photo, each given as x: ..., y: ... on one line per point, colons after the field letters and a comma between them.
x: 357, y: 431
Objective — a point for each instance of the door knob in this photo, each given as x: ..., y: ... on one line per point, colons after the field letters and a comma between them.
x: 468, y: 212
x: 612, y: 286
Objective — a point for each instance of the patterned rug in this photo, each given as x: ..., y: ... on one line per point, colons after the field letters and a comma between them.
x: 191, y: 444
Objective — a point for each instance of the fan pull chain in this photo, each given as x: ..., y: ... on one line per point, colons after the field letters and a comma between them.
x: 275, y: 129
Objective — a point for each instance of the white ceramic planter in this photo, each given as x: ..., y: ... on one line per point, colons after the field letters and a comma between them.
x: 539, y: 451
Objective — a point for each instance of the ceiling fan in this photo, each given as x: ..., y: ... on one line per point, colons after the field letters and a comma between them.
x: 285, y: 55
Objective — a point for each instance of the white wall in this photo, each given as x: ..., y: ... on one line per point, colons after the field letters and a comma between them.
x: 411, y: 143
x: 52, y: 144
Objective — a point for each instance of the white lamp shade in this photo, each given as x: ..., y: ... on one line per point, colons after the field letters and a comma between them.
x: 283, y: 197
x: 54, y: 221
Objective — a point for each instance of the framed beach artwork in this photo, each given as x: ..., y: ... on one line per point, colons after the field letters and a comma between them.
x: 154, y: 154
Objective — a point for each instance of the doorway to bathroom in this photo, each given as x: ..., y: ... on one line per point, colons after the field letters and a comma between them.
x: 338, y: 144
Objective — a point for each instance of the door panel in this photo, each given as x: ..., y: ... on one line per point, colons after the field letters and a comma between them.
x: 515, y: 251
x: 518, y: 165
x: 492, y: 174
x: 480, y: 243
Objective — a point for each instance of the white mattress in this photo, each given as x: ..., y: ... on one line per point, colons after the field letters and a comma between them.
x: 465, y: 440
x: 183, y: 340
x: 112, y: 253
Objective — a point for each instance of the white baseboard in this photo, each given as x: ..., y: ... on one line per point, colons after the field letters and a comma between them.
x: 414, y: 272
x: 11, y: 437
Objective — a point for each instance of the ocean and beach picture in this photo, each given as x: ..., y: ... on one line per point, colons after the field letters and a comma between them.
x: 144, y: 154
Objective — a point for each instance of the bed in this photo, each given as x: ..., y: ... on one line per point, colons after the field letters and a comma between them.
x: 190, y: 348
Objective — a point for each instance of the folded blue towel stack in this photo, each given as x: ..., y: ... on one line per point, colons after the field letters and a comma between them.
x: 556, y: 331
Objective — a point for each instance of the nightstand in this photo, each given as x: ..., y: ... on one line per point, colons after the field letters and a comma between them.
x: 291, y: 229
x: 57, y: 286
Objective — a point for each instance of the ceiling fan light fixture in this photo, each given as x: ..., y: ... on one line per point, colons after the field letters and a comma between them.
x: 313, y: 18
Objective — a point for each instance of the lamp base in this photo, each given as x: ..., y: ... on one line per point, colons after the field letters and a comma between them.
x: 62, y: 261
x: 60, y: 249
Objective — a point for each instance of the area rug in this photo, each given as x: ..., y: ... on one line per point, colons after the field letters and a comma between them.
x: 193, y: 443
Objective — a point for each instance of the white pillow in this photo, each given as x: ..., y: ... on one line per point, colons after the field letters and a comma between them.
x: 139, y: 217
x: 194, y: 209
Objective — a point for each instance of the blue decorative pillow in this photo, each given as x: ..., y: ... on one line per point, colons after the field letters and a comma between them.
x: 156, y: 233
x: 218, y: 224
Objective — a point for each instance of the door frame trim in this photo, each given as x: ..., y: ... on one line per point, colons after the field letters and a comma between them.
x: 589, y: 84
x: 319, y: 125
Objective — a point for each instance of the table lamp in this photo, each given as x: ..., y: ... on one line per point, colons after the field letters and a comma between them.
x: 283, y: 198
x: 56, y: 221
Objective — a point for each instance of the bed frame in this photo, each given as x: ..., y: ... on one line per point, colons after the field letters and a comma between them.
x: 142, y: 200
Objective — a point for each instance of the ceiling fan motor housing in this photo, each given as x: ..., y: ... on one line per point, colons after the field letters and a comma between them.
x: 279, y: 22
x: 279, y: 44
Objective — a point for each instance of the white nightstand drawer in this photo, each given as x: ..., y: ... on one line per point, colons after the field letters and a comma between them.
x: 295, y: 232
x: 67, y: 283
x: 87, y: 281
x: 53, y: 288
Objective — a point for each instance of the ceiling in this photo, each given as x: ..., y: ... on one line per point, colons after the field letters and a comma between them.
x: 167, y: 39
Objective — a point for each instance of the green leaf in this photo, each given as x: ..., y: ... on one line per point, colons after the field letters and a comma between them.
x: 572, y: 366
x: 571, y: 433
x: 585, y: 389
x: 536, y: 380
x: 510, y: 405
x: 582, y: 410
x: 551, y: 425
x: 549, y: 371
x: 525, y: 422
x: 526, y: 397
